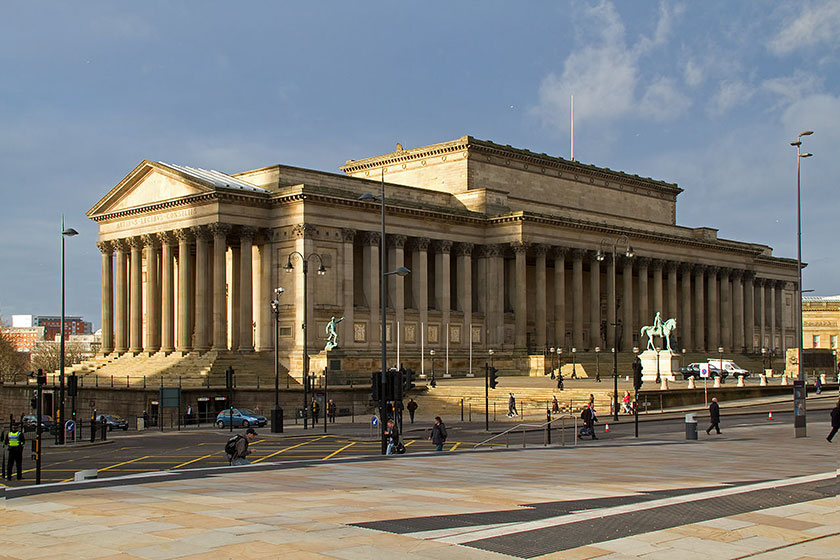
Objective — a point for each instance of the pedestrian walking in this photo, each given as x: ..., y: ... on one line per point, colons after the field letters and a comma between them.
x: 818, y: 385
x: 835, y: 421
x: 237, y: 448
x: 332, y: 410
x: 412, y: 408
x: 714, y: 416
x: 14, y: 441
x: 589, y: 418
x: 392, y: 434
x: 438, y: 436
x: 555, y: 406
x: 398, y: 411
x: 316, y: 411
x: 512, y: 406
x: 626, y: 402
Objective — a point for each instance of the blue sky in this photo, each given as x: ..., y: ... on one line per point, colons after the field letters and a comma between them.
x: 704, y: 94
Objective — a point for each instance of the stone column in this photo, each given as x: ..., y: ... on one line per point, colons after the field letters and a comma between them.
x: 594, y: 301
x: 464, y: 264
x: 121, y: 298
x: 577, y: 297
x: 771, y: 287
x: 672, y: 294
x: 699, y: 307
x: 371, y: 274
x: 540, y: 304
x: 420, y: 285
x: 627, y: 305
x: 612, y: 294
x: 234, y: 292
x: 220, y: 334
x: 713, y: 306
x: 265, y: 316
x: 348, y: 289
x: 443, y: 296
x: 520, y: 309
x: 645, y: 314
x: 749, y: 311
x: 559, y: 296
x: 725, y: 311
x: 202, y: 313
x: 167, y: 292
x: 107, y: 250
x: 396, y: 283
x: 246, y: 288
x: 688, y: 328
x: 737, y: 311
x: 780, y: 292
x: 152, y: 343
x: 135, y: 315
x: 762, y: 312
x: 184, y: 338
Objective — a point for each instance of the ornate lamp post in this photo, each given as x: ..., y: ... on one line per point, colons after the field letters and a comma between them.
x: 277, y: 412
x: 598, y: 364
x: 628, y: 252
x: 574, y: 373
x: 321, y: 271
x: 551, y: 360
x: 69, y: 232
x: 799, y: 423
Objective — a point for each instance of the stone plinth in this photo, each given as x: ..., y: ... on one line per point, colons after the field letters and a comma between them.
x: 668, y: 365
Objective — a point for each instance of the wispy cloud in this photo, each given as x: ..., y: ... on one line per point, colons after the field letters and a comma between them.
x: 729, y: 95
x: 817, y: 23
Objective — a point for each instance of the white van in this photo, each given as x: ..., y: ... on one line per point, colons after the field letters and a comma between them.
x: 729, y: 367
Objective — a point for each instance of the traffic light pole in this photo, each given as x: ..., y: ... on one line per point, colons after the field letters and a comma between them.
x: 40, y: 412
x: 636, y: 412
x: 486, y: 398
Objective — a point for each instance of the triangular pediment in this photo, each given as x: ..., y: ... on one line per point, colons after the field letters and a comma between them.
x: 150, y: 183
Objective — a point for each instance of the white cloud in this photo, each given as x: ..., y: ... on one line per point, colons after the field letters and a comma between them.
x: 730, y: 94
x: 794, y: 87
x: 693, y: 73
x: 604, y: 73
x: 817, y: 23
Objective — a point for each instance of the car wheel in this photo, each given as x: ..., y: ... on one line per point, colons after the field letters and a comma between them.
x: 245, y: 423
x: 220, y: 424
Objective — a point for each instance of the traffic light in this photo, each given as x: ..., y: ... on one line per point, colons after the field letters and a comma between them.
x: 408, y: 380
x: 637, y: 374
x: 72, y: 385
x: 42, y: 377
x: 394, y: 386
x: 229, y: 378
x: 493, y: 376
x: 375, y: 385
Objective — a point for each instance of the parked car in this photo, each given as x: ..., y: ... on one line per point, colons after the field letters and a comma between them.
x: 693, y: 370
x: 113, y: 422
x: 242, y: 418
x: 730, y: 367
x: 29, y: 425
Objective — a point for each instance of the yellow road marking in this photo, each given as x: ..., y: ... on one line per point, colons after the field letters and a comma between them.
x: 409, y: 442
x: 454, y: 447
x: 114, y: 466
x: 189, y: 462
x: 286, y: 449
x: 340, y: 450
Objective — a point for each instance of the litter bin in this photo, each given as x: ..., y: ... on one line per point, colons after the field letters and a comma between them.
x: 690, y: 427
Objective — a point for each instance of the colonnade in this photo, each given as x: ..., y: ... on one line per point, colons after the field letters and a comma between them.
x: 207, y: 287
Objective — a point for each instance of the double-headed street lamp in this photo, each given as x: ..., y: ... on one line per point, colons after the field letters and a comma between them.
x: 321, y: 271
x: 628, y: 252
x: 401, y: 271
x: 277, y: 412
x: 799, y: 423
x: 68, y: 232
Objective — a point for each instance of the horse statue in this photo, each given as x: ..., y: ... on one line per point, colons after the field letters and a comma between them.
x: 661, y: 329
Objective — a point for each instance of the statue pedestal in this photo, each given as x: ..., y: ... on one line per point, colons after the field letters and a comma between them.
x: 667, y: 362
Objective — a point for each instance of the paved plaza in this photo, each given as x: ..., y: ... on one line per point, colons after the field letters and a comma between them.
x: 753, y: 492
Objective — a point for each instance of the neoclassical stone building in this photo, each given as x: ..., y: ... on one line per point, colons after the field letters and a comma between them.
x: 502, y: 243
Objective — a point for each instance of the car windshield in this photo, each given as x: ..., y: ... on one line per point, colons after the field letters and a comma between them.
x: 246, y: 412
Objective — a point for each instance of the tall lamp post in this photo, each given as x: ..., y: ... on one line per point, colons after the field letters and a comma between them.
x: 799, y: 424
x: 68, y: 232
x: 276, y: 412
x: 628, y: 252
x: 401, y: 271
x: 321, y: 271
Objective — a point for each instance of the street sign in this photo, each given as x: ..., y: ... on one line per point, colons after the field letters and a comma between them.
x: 69, y: 425
x: 704, y: 371
x: 374, y: 421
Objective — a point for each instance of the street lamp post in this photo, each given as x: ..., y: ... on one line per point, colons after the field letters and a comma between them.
x: 401, y: 271
x: 69, y: 232
x: 720, y: 363
x: 574, y: 355
x: 598, y: 364
x: 628, y: 252
x: 799, y: 422
x: 276, y: 412
x: 321, y: 271
x: 551, y: 360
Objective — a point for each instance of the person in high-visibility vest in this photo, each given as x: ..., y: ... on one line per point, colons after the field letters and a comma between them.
x: 14, y: 441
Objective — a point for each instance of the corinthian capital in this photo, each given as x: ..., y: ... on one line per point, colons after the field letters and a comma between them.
x: 105, y: 247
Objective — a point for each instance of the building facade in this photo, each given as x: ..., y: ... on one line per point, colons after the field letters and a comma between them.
x: 821, y: 322
x: 508, y: 249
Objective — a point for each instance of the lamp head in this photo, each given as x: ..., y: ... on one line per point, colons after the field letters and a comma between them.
x: 368, y: 197
x: 720, y: 350
x: 805, y: 154
x: 402, y: 271
x: 597, y: 349
x: 574, y: 350
x: 321, y: 270
x: 279, y: 291
x: 796, y: 143
x: 490, y: 352
x: 806, y: 133
x: 629, y: 253
x: 288, y: 266
x: 551, y: 350
x: 69, y: 232
x: 599, y: 256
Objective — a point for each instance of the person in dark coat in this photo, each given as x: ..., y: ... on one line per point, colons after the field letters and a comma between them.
x: 438, y: 436
x: 412, y: 408
x: 392, y: 435
x: 714, y: 416
x: 835, y: 421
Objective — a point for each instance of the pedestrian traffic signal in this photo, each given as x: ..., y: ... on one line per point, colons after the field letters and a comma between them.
x: 637, y: 374
x: 493, y: 377
x: 72, y: 385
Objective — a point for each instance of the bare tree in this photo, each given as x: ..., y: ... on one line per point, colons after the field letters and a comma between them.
x: 13, y: 364
x: 47, y: 355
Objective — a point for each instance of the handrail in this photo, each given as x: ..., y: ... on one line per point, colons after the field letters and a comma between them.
x: 543, y: 425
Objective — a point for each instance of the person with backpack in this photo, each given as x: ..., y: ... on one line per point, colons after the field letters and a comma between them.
x: 438, y: 436
x: 237, y: 449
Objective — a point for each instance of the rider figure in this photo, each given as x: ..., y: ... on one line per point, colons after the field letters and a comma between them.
x: 657, y: 324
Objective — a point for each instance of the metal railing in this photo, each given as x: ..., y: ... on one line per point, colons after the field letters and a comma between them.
x: 545, y: 426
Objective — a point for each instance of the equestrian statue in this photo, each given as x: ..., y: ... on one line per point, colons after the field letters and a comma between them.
x: 660, y: 329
